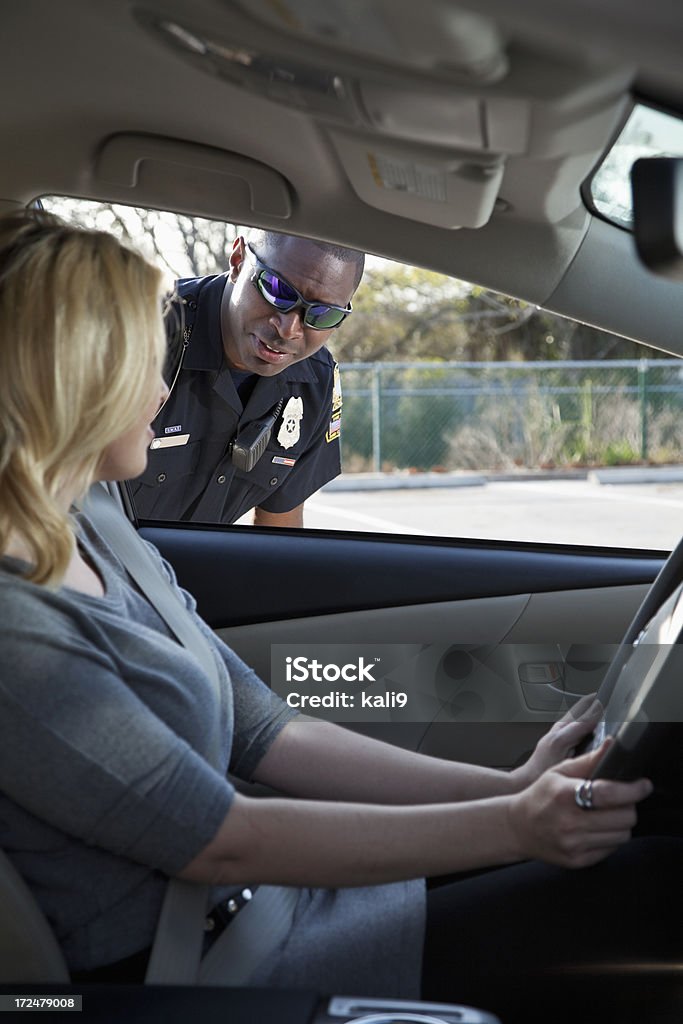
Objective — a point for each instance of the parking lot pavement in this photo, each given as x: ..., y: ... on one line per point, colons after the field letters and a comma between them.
x: 578, y: 511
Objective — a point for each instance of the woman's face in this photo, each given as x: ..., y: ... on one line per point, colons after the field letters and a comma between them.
x: 126, y: 457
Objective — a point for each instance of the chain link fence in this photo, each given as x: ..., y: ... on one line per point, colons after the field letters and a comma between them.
x: 501, y: 416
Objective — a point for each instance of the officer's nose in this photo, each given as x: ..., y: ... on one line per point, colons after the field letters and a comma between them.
x: 288, y: 325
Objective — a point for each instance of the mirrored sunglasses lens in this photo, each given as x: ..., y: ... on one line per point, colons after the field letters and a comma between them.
x: 323, y: 318
x: 276, y: 291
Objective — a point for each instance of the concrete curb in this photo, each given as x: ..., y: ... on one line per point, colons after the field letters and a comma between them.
x: 419, y: 481
x: 402, y: 481
x: 637, y: 475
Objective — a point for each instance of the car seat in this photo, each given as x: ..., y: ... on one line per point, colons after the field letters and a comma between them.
x: 29, y: 951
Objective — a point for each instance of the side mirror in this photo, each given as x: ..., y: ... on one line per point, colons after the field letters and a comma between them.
x: 657, y: 186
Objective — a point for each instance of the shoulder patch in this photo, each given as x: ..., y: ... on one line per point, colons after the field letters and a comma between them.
x: 334, y: 429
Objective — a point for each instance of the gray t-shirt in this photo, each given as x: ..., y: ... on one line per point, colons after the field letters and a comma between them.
x: 106, y: 789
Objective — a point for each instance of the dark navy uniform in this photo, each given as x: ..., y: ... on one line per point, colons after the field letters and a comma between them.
x: 190, y: 474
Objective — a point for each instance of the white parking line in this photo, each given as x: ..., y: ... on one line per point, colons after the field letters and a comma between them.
x: 599, y: 494
x: 385, y: 525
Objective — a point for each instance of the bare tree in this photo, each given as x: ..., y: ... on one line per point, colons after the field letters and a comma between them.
x: 401, y: 313
x: 184, y: 246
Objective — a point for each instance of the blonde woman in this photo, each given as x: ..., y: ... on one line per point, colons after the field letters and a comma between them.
x: 107, y: 785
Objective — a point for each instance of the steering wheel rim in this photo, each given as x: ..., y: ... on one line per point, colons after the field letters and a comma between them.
x: 667, y: 579
x: 665, y: 583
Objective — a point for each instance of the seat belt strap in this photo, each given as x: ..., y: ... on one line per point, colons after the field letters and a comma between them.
x: 132, y: 551
x: 179, y: 935
x: 265, y: 921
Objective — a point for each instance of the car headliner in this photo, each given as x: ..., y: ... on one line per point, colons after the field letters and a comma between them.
x: 99, y: 104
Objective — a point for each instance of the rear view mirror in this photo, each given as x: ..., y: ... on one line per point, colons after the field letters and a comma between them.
x: 657, y: 185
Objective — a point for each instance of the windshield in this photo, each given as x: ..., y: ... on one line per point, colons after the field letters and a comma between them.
x: 647, y: 132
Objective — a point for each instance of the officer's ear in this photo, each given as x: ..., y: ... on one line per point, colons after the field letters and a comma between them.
x: 237, y: 257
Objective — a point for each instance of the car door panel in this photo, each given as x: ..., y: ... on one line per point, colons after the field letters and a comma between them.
x: 466, y: 670
x: 486, y: 672
x: 244, y: 575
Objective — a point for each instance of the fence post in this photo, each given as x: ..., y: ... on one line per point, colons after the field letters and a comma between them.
x: 377, y: 417
x: 587, y: 414
x: 642, y: 398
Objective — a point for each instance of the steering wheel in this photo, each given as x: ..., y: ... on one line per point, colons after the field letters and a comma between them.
x: 642, y: 692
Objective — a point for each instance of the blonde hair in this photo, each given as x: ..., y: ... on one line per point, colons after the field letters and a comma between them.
x: 81, y: 332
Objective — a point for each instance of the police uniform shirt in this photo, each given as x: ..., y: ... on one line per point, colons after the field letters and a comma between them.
x: 190, y: 475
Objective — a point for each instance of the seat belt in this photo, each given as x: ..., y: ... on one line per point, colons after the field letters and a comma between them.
x: 177, y: 946
x: 265, y: 921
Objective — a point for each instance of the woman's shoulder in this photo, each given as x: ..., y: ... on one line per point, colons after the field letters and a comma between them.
x: 29, y: 609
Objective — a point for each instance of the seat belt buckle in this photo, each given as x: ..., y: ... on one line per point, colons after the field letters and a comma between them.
x: 225, y: 912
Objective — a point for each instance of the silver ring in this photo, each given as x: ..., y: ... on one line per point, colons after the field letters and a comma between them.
x: 583, y: 795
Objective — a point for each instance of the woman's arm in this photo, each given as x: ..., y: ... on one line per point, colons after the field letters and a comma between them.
x: 352, y: 767
x: 303, y: 842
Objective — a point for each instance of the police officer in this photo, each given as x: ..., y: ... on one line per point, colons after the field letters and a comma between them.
x: 253, y: 417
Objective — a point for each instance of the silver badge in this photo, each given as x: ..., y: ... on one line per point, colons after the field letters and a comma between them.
x: 290, y: 431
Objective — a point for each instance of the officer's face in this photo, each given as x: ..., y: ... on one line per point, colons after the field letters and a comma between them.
x: 258, y: 338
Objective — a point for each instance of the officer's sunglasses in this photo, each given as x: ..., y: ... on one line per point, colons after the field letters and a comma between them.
x: 320, y: 316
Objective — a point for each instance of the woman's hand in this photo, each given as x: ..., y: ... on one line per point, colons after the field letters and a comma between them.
x: 549, y: 825
x: 561, y: 740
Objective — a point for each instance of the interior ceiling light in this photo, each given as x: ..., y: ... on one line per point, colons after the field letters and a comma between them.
x: 283, y: 79
x: 433, y: 35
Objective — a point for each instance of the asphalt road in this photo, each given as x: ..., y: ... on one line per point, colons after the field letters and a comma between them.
x: 559, y: 511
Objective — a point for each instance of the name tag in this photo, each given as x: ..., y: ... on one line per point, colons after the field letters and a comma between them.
x: 170, y: 442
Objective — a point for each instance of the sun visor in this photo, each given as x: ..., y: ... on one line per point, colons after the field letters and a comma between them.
x: 426, y: 184
x: 657, y: 184
x: 423, y: 105
x: 171, y: 171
